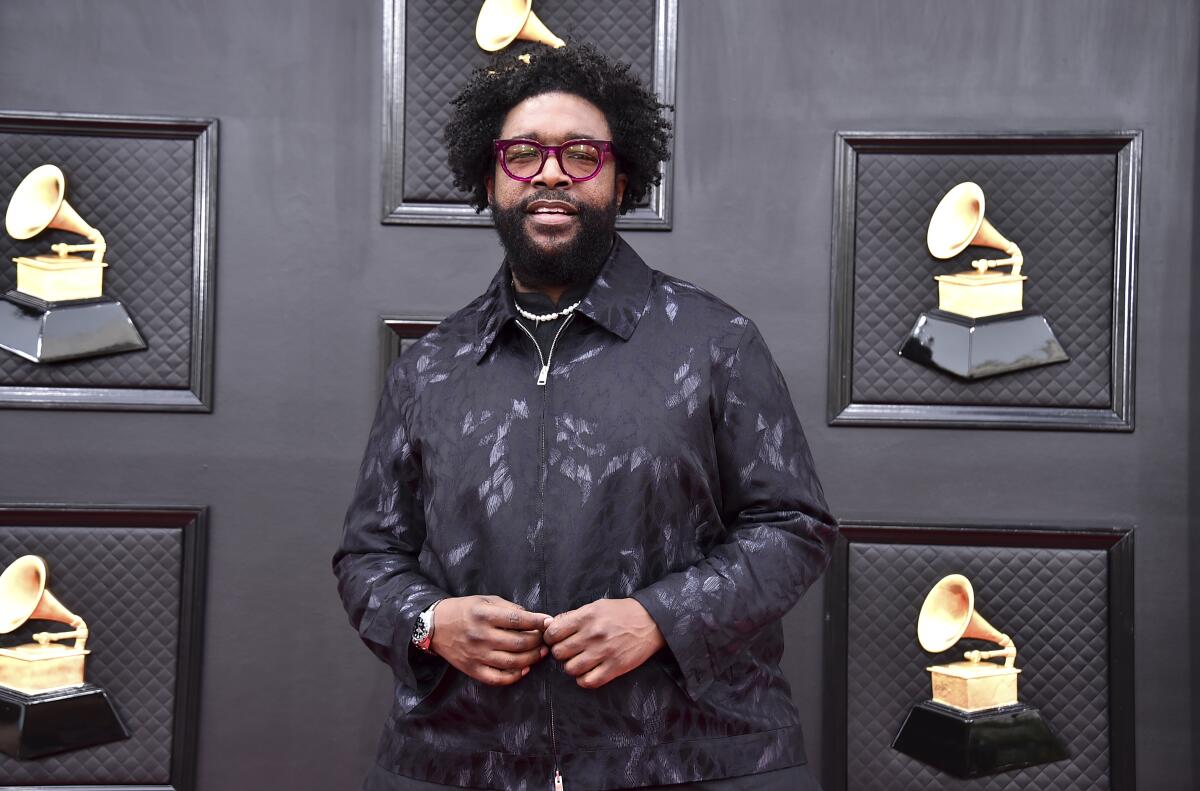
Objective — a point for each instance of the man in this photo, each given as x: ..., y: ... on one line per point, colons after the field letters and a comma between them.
x: 586, y: 501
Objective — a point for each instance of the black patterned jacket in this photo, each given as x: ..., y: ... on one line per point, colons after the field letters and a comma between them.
x: 662, y: 459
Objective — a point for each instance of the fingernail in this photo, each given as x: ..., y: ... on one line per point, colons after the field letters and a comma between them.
x: 544, y: 650
x: 524, y: 671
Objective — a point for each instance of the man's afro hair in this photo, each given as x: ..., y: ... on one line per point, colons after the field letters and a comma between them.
x: 640, y: 133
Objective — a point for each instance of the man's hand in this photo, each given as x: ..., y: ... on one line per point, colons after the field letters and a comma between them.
x: 488, y: 638
x: 603, y: 640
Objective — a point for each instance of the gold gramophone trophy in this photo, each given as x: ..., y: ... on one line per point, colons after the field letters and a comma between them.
x: 974, y: 725
x: 980, y: 327
x: 46, y: 706
x: 501, y: 22
x: 58, y: 310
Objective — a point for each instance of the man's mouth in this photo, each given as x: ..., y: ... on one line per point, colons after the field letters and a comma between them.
x: 551, y: 212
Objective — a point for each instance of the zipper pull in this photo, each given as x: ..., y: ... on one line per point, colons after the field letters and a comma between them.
x: 542, y: 383
x: 558, y: 783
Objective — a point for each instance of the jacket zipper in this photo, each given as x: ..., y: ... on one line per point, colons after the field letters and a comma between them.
x: 544, y: 371
x: 543, y: 376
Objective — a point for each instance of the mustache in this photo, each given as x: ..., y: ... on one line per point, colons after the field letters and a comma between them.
x: 557, y: 195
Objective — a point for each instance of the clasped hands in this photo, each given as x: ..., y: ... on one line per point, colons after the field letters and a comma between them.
x: 497, y: 642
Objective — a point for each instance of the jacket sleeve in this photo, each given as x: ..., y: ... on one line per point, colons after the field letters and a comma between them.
x: 379, y: 576
x: 778, y: 530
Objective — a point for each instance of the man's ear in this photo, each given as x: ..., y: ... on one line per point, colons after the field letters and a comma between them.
x: 489, y: 183
x: 622, y: 180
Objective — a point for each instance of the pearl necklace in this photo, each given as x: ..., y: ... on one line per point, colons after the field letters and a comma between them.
x: 540, y: 317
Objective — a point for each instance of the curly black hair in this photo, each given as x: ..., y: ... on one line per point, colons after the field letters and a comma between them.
x: 639, y: 130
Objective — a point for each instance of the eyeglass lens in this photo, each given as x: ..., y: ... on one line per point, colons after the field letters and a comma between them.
x: 578, y: 160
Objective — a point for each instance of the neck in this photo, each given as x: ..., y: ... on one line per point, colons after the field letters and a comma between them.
x: 553, y: 292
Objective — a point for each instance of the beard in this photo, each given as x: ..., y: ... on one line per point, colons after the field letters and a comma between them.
x: 571, y: 262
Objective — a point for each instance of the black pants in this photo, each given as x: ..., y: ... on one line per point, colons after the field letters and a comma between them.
x: 793, y: 778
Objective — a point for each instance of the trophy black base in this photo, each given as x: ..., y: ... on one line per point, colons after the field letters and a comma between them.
x: 46, y: 332
x: 54, y: 722
x: 975, y: 744
x: 975, y: 348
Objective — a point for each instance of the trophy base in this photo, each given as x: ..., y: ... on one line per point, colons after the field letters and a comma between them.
x: 54, y: 722
x: 45, y: 332
x: 975, y: 348
x: 976, y: 744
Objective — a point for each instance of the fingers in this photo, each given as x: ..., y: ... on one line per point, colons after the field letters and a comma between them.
x: 569, y: 647
x: 501, y: 668
x: 495, y: 677
x: 489, y: 638
x: 492, y: 640
x: 602, y: 640
x: 597, y: 676
x: 479, y: 641
x: 510, y: 616
x: 502, y: 660
x: 582, y: 664
x: 570, y: 635
x: 562, y: 626
x: 505, y: 603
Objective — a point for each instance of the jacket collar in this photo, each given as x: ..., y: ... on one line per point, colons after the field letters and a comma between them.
x: 616, y: 301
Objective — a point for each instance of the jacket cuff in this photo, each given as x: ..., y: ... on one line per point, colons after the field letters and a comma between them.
x: 684, y: 636
x: 416, y: 669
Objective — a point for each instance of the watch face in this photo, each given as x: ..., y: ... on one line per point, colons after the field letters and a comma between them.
x: 421, y: 631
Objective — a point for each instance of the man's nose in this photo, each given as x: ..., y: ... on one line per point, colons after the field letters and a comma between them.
x: 552, y: 176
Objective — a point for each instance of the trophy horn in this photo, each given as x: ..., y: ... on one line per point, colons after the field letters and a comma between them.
x: 39, y: 202
x: 501, y: 22
x: 948, y: 615
x: 23, y: 596
x: 958, y: 222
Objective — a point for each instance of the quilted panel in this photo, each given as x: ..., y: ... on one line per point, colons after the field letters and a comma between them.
x: 138, y: 193
x: 126, y: 584
x: 1052, y: 602
x: 1058, y: 207
x: 441, y: 53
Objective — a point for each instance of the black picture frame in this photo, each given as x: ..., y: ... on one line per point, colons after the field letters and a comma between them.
x: 192, y: 524
x: 1117, y: 415
x: 656, y: 215
x: 396, y: 334
x: 398, y: 331
x: 1116, y: 544
x: 197, y: 396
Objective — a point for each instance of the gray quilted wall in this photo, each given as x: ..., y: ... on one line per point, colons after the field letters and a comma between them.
x: 1057, y: 207
x: 440, y: 52
x: 290, y: 699
x: 138, y: 194
x: 126, y: 585
x: 1052, y: 602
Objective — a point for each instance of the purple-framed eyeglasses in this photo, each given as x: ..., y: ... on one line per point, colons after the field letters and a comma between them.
x: 580, y: 160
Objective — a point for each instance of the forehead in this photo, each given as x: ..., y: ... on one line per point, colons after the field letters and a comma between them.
x: 554, y: 117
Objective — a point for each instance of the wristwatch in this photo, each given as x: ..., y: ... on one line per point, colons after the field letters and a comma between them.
x: 423, y: 632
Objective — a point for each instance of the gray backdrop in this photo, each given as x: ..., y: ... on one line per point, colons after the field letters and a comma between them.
x: 290, y: 699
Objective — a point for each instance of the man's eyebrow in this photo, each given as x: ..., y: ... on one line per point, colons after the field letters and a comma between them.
x: 539, y: 138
